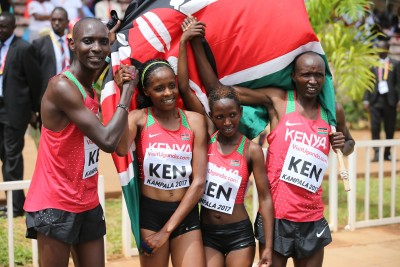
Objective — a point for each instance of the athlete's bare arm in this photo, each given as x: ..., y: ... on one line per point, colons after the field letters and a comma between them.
x: 63, y: 103
x: 264, y: 199
x: 271, y: 98
x: 136, y: 119
x: 190, y: 100
x: 342, y: 139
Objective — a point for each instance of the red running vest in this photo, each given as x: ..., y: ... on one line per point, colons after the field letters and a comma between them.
x: 58, y: 181
x: 292, y: 202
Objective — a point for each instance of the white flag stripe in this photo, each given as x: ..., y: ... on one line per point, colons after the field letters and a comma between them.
x: 115, y: 61
x: 159, y: 26
x: 126, y: 176
x: 193, y: 6
x: 121, y: 38
x: 149, y: 35
x: 271, y: 66
x: 109, y: 89
x: 200, y: 95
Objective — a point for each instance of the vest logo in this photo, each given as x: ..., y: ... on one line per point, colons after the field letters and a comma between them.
x: 177, y: 147
x: 304, y: 138
x: 235, y: 163
x: 185, y: 136
x: 322, y: 130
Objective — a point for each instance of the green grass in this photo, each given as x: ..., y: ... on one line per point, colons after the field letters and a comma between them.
x: 22, y: 246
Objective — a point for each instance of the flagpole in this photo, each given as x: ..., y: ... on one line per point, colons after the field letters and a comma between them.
x: 344, y: 174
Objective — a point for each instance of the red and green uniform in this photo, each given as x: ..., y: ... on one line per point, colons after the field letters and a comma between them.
x: 296, y: 162
x: 65, y: 175
x: 165, y: 156
x: 227, y: 177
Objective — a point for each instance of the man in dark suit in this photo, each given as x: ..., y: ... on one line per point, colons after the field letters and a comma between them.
x: 382, y: 102
x: 19, y: 101
x: 52, y: 51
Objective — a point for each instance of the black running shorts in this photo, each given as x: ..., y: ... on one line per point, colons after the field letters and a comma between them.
x: 68, y: 227
x: 296, y: 239
x: 154, y: 214
x: 228, y: 237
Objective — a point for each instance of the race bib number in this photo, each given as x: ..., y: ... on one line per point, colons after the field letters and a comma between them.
x: 167, y: 169
x: 304, y: 166
x: 91, y: 158
x: 222, y: 186
x: 383, y: 87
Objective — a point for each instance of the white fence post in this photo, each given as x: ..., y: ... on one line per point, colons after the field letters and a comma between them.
x: 351, y: 196
x: 10, y: 223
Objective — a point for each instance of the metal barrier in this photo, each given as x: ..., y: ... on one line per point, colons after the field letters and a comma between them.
x: 21, y: 185
x: 353, y: 161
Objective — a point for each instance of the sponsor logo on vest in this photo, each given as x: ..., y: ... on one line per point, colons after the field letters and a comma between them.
x: 309, y: 139
x: 183, y: 147
x: 153, y: 135
x: 292, y: 124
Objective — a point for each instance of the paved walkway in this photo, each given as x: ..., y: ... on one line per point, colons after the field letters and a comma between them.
x: 370, y: 247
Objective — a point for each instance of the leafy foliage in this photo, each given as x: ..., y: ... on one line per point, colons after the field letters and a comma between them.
x: 349, y: 49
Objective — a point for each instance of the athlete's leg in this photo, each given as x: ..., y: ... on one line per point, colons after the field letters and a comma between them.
x: 240, y: 257
x: 159, y: 258
x: 214, y: 258
x: 261, y: 248
x: 52, y: 253
x: 278, y: 260
x: 89, y: 254
x: 313, y: 261
x: 188, y: 250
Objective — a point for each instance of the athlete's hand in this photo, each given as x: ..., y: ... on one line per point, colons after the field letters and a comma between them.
x: 337, y: 140
x: 192, y: 28
x: 157, y: 240
x: 266, y: 259
x: 124, y: 74
x: 113, y: 32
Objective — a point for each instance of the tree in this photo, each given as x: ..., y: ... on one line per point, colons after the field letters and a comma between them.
x: 347, y: 42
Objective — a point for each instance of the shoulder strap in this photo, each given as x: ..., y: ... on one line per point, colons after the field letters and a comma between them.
x: 324, y: 114
x: 70, y: 76
x: 185, y: 122
x: 213, y: 138
x: 241, y: 147
x: 290, y: 103
x: 150, y: 118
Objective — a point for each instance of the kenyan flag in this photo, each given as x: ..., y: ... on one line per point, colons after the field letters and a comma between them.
x: 252, y: 43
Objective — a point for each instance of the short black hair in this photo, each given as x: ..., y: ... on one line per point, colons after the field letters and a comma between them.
x: 222, y: 92
x: 8, y: 16
x: 305, y: 53
x: 81, y: 21
x: 60, y: 8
